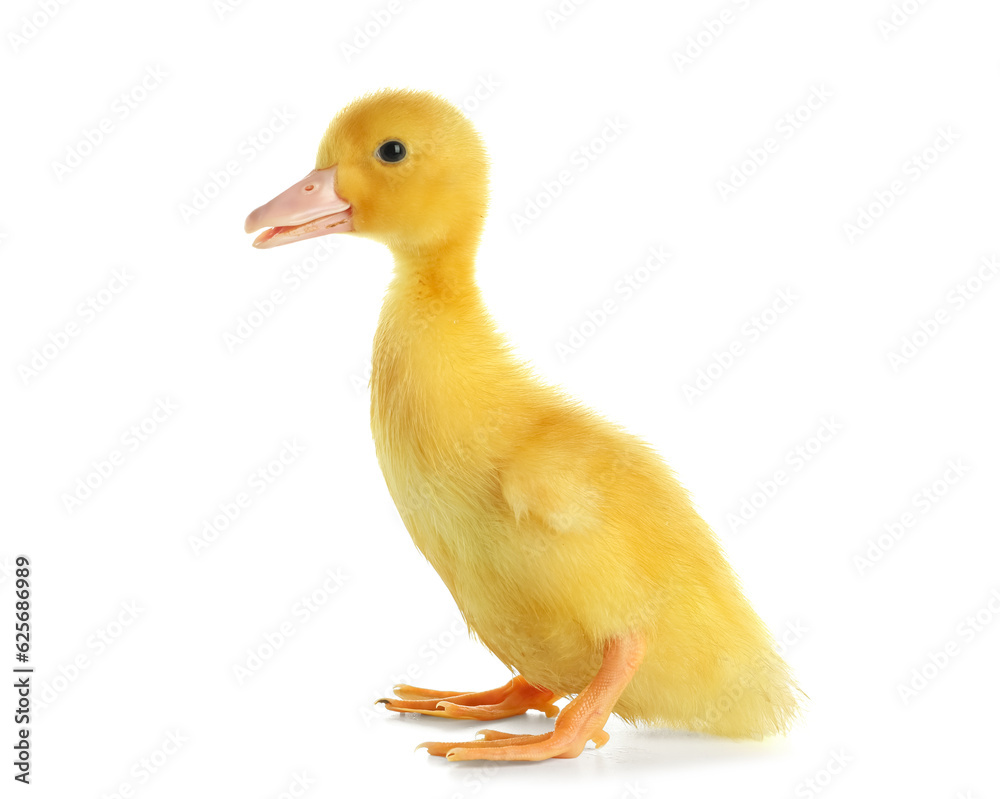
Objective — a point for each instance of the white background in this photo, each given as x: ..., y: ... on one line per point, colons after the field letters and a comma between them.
x: 546, y: 87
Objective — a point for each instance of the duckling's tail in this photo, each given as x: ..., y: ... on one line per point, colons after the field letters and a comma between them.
x: 755, y: 699
x: 737, y: 695
x: 712, y: 666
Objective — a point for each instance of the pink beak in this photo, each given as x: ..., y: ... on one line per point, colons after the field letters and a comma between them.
x: 308, y: 209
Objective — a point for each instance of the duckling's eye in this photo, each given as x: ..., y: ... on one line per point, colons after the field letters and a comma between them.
x: 392, y: 152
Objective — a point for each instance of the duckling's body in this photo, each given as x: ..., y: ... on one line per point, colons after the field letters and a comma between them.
x: 569, y: 547
x: 553, y: 529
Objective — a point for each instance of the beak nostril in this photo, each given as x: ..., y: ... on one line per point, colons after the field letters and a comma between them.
x: 310, y: 187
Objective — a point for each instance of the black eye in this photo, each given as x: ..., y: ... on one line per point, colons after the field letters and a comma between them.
x: 392, y: 152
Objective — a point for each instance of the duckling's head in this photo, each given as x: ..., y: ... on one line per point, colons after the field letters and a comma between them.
x: 402, y: 167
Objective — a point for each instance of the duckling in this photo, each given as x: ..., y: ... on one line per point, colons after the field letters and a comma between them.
x: 572, y: 551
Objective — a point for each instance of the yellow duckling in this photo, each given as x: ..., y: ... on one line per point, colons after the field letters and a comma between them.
x: 570, y: 548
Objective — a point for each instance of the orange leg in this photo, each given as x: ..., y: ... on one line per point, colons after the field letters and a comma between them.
x: 512, y: 699
x: 580, y: 721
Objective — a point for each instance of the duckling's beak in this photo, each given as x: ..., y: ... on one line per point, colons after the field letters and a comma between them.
x: 308, y: 209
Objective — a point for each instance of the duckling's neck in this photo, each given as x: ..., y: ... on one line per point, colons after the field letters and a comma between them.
x: 438, y: 278
x: 438, y: 360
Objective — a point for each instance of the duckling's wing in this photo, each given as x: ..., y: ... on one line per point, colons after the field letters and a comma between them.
x: 556, y: 494
x: 567, y: 475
